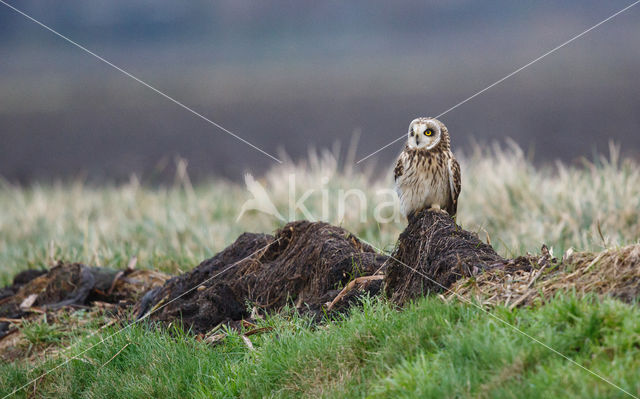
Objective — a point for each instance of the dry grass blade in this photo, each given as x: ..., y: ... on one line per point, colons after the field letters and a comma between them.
x: 28, y: 301
x: 247, y: 342
x: 117, y: 353
x: 351, y: 286
x: 215, y: 338
x: 258, y: 330
x: 9, y: 320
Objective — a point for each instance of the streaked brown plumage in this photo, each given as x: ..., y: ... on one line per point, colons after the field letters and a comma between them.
x: 426, y: 174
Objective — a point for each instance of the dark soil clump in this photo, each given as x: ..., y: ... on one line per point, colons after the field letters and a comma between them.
x: 305, y: 264
x: 72, y: 284
x: 432, y: 253
x: 19, y: 280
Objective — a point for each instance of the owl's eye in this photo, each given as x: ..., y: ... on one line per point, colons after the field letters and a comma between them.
x: 428, y: 132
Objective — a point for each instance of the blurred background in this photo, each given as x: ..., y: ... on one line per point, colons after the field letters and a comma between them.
x: 287, y: 75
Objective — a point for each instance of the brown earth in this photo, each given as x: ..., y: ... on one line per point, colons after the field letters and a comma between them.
x: 305, y: 265
x: 432, y: 253
x: 36, y: 292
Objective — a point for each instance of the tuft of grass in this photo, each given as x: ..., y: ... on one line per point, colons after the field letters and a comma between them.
x: 42, y: 333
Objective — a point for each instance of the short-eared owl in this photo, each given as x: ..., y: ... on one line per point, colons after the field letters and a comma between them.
x: 426, y: 174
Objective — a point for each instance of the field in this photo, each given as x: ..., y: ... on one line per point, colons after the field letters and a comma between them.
x: 430, y: 349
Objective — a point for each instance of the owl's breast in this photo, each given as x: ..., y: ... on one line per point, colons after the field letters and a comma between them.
x: 424, y: 182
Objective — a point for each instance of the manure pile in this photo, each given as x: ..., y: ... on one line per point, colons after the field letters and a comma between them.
x: 316, y: 268
x: 305, y: 264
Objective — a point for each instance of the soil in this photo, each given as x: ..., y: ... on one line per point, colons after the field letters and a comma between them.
x: 304, y: 265
x: 19, y: 280
x: 34, y: 292
x: 432, y: 253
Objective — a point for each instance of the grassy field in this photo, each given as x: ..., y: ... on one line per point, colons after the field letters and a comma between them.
x: 432, y: 349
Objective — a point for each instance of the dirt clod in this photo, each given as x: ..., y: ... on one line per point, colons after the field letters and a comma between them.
x: 19, y: 280
x: 305, y: 264
x: 73, y: 284
x: 432, y: 253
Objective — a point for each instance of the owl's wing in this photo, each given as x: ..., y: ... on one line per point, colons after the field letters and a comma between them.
x: 454, y: 184
x: 399, y: 170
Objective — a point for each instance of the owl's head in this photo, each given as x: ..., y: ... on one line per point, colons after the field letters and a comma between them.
x: 425, y: 133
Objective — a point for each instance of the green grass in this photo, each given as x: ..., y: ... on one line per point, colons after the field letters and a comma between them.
x: 430, y: 349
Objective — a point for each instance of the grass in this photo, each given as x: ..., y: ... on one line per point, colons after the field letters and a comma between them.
x: 431, y: 349
x: 41, y: 332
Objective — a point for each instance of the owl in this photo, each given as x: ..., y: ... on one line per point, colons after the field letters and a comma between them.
x: 426, y: 173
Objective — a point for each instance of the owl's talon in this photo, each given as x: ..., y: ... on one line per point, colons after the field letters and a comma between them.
x: 436, y: 208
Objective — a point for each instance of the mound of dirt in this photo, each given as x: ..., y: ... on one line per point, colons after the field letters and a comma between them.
x: 305, y: 264
x: 432, y: 253
x: 317, y: 267
x: 72, y: 284
x: 531, y: 279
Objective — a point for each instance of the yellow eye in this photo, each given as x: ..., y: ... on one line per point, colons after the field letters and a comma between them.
x: 428, y: 132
